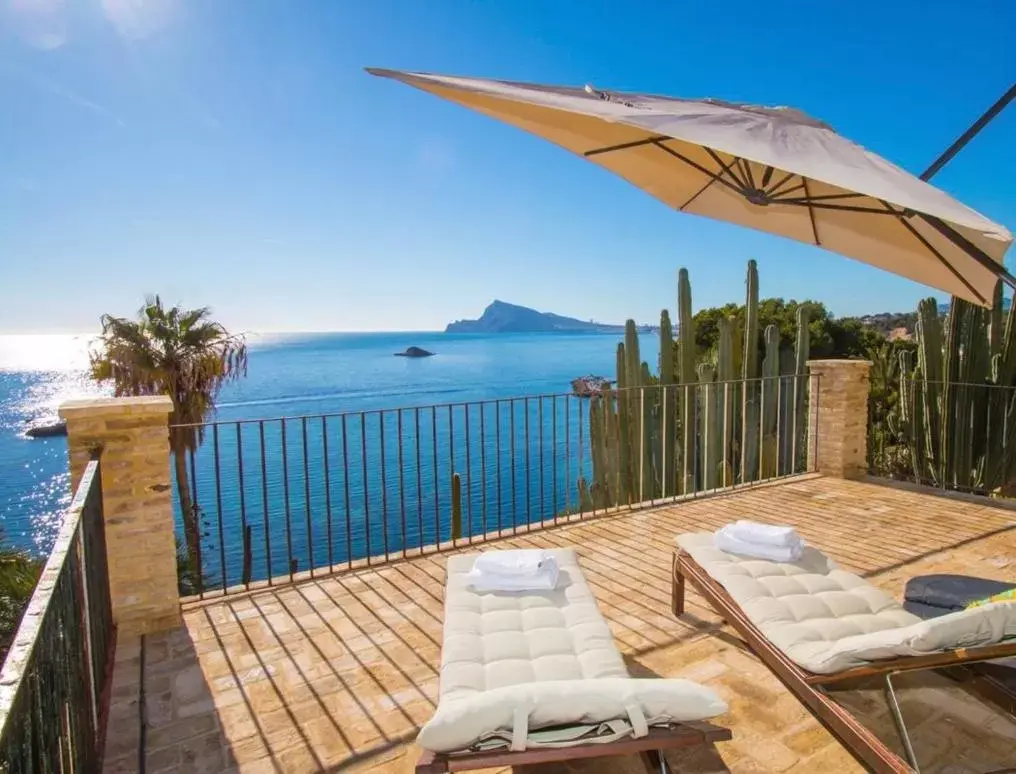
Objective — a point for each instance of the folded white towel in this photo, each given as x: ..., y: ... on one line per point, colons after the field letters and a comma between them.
x: 725, y: 541
x: 544, y: 579
x: 768, y: 534
x: 520, y: 561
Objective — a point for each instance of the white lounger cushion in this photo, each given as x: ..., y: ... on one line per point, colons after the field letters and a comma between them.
x: 827, y: 620
x: 549, y: 653
x: 518, y: 708
x: 495, y: 639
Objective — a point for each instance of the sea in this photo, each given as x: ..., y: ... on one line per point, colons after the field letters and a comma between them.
x: 329, y: 483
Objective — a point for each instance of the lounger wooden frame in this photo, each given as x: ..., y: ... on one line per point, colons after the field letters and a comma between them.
x: 649, y: 747
x: 867, y: 748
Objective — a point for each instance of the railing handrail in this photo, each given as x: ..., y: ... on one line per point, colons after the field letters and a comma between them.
x: 487, y: 401
x: 916, y: 378
x: 14, y: 670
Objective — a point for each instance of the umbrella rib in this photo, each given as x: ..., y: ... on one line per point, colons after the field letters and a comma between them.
x: 767, y: 175
x: 827, y: 206
x: 775, y: 190
x: 743, y: 185
x: 968, y: 247
x: 811, y: 212
x: 825, y: 197
x: 930, y: 248
x: 626, y: 145
x: 701, y: 190
x: 745, y: 168
x: 697, y: 166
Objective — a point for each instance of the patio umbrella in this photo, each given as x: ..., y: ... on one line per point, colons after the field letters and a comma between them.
x: 774, y: 169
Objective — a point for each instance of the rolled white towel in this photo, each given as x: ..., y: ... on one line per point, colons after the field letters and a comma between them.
x: 520, y: 561
x: 544, y: 579
x: 725, y: 541
x: 767, y: 534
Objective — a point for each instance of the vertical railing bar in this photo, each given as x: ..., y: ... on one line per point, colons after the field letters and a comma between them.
x: 581, y: 470
x: 695, y: 439
x: 483, y: 468
x: 529, y: 480
x: 218, y: 505
x: 726, y: 435
x: 363, y: 470
x: 543, y: 487
x: 553, y: 453
x: 345, y: 494
x: 328, y: 492
x: 285, y: 491
x: 451, y: 472
x: 497, y: 415
x: 684, y: 454
x: 567, y: 454
x: 469, y: 478
x: 264, y: 502
x: 384, y: 483
x: 437, y: 488
x: 306, y: 498
x: 779, y: 422
x: 793, y: 423
x: 402, y: 487
x: 243, y: 503
x: 196, y: 518
x: 663, y: 453
x: 642, y: 445
x: 419, y: 480
x: 515, y: 511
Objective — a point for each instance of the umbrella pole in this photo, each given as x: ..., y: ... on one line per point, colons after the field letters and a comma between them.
x: 969, y: 248
x: 968, y: 135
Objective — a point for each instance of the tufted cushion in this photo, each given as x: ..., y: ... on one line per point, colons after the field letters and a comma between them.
x: 497, y: 639
x: 826, y: 619
x: 541, y: 666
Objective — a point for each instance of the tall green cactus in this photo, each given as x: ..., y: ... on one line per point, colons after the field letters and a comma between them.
x: 686, y: 377
x: 770, y: 389
x: 668, y: 408
x: 711, y: 422
x: 958, y: 426
x: 798, y: 421
x: 750, y: 375
x: 624, y: 448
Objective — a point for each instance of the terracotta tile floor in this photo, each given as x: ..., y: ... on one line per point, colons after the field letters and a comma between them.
x: 338, y: 673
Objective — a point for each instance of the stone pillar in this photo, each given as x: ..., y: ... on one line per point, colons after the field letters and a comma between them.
x: 137, y: 503
x: 838, y: 417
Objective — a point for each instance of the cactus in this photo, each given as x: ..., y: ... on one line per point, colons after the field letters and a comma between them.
x: 710, y: 407
x: 624, y: 449
x: 750, y: 374
x: 686, y: 377
x: 456, y: 508
x: 668, y: 408
x: 769, y: 391
x: 959, y: 434
x: 799, y: 421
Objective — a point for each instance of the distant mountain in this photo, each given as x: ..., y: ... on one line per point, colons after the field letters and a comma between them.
x: 502, y: 317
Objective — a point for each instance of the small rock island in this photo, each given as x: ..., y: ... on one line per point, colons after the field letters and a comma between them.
x: 414, y: 352
x: 47, y: 430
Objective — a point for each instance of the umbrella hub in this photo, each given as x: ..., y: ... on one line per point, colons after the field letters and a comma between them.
x: 757, y: 196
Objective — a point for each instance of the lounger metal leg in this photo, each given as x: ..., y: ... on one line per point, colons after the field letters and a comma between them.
x: 901, y: 726
x: 655, y: 762
x: 677, y: 589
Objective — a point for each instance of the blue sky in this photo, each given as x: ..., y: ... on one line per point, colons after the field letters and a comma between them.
x: 234, y: 153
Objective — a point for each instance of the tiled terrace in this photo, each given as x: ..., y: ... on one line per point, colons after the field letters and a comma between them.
x: 337, y: 674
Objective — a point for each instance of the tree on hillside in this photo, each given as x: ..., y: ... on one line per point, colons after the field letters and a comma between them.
x: 177, y: 352
x: 830, y: 337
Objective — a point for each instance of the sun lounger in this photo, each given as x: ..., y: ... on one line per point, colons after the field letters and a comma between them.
x: 815, y: 625
x: 534, y: 677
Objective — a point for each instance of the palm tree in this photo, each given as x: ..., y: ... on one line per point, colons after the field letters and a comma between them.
x: 180, y: 353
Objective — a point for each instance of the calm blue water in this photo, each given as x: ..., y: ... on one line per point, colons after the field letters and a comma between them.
x: 325, y: 494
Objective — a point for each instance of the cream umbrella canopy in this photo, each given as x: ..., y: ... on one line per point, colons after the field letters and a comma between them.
x: 773, y: 169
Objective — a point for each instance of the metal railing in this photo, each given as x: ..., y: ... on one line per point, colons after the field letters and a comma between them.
x: 956, y: 436
x: 53, y: 683
x: 274, y: 498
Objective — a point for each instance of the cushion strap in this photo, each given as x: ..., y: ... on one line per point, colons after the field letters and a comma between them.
x: 638, y: 719
x: 520, y: 728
